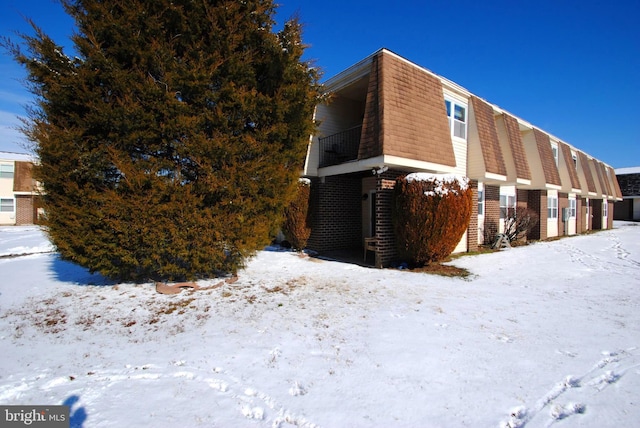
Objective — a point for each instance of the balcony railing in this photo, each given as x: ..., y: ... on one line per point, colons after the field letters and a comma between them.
x: 340, y: 148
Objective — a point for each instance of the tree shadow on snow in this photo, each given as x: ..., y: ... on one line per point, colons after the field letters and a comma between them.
x: 65, y: 271
x: 78, y: 415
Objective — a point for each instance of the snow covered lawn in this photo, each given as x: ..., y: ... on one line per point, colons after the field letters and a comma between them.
x: 547, y: 334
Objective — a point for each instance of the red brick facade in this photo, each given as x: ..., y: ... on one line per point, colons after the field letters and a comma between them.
x: 336, y: 213
x: 25, y: 210
x: 491, y: 212
x: 537, y: 201
x: 472, y: 230
x: 386, y: 244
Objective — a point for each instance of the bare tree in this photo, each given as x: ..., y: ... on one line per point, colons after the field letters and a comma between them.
x: 519, y: 223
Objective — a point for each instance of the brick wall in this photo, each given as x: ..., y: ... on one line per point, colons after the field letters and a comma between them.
x: 25, y: 210
x: 537, y: 200
x: 336, y: 213
x: 610, y: 217
x: 387, y: 251
x: 491, y: 212
x: 472, y: 230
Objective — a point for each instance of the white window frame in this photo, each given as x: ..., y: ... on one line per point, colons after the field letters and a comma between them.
x: 552, y: 207
x: 4, y: 204
x: 450, y: 105
x: 574, y: 156
x: 554, y: 151
x: 7, y: 170
x: 480, y: 200
x: 507, y: 203
x: 572, y: 207
x: 605, y: 208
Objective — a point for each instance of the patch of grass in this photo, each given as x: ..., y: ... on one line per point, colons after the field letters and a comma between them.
x: 443, y: 270
x: 482, y: 249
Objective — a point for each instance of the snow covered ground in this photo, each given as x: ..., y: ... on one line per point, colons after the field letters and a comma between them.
x: 543, y: 335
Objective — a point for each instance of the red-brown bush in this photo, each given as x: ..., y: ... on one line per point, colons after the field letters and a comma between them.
x: 430, y: 215
x: 296, y: 224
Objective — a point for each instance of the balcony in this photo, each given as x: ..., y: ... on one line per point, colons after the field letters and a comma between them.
x: 340, y: 148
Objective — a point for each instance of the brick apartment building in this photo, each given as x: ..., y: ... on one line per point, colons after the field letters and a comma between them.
x: 629, y: 207
x: 389, y: 117
x: 18, y: 196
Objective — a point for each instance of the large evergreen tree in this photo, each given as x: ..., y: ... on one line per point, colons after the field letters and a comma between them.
x: 170, y: 146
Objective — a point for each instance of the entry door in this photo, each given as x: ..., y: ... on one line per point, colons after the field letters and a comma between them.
x: 587, y: 215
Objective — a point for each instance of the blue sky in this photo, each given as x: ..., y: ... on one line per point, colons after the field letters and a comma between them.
x: 571, y: 68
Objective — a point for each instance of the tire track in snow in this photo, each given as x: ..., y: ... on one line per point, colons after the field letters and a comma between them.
x: 594, y: 378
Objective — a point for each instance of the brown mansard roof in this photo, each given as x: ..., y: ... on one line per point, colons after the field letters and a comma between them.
x: 549, y: 167
x: 517, y: 147
x: 488, y: 136
x: 571, y: 167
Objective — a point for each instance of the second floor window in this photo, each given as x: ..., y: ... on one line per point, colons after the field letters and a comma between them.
x: 6, y: 170
x: 457, y: 114
x: 6, y: 205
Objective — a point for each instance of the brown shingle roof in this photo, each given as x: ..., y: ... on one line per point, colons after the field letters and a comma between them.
x: 551, y: 175
x: 571, y: 167
x: 615, y: 184
x: 517, y: 147
x: 488, y: 135
x: 596, y: 166
x: 22, y: 179
x: 370, y: 143
x: 413, y: 114
x: 605, y: 178
x: 586, y: 168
